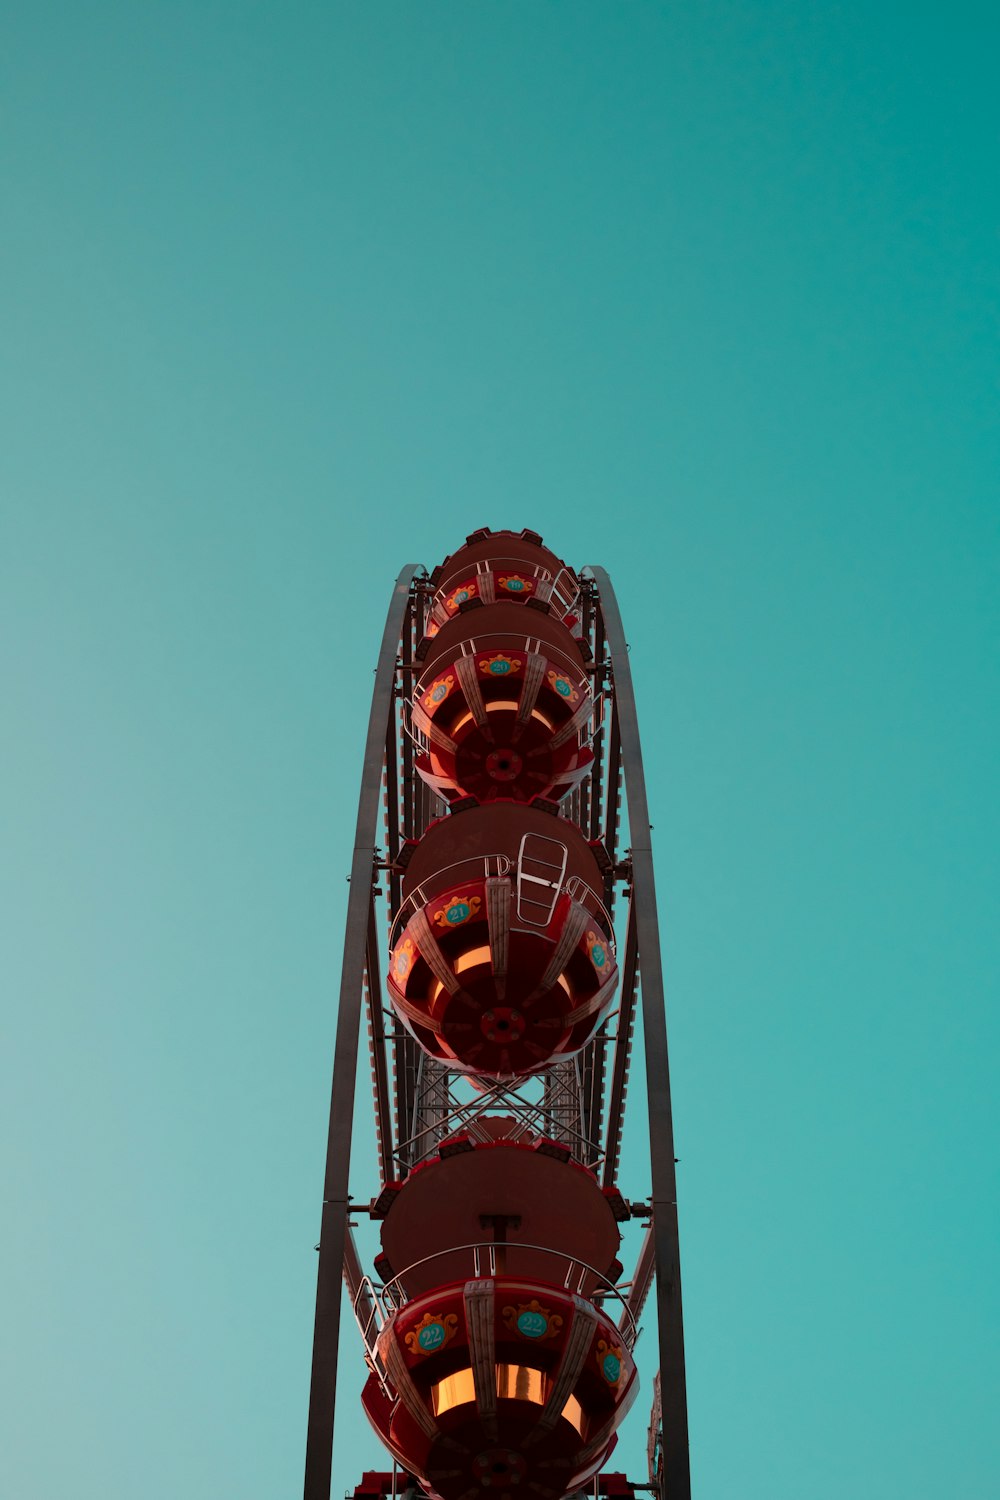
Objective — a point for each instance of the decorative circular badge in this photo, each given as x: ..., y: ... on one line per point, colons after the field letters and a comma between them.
x: 432, y: 1337
x: 460, y: 595
x: 499, y: 665
x: 533, y: 1325
x: 562, y: 686
x: 402, y: 960
x: 598, y: 951
x: 513, y: 583
x: 458, y: 910
x: 438, y: 692
x: 609, y: 1360
x: 532, y: 1321
x: 432, y: 1332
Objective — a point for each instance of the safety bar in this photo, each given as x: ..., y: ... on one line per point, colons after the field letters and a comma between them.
x: 394, y: 1296
x: 490, y: 865
x: 514, y: 640
x: 482, y: 867
x: 563, y: 599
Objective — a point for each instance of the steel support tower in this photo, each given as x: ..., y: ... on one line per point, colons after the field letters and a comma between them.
x: 419, y: 1103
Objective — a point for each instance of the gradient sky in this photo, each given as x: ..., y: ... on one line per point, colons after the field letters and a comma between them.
x: 707, y: 293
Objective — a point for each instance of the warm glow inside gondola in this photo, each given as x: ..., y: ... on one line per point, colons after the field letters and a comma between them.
x: 514, y: 1383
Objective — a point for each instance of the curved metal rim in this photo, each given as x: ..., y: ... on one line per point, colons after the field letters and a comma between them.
x: 666, y: 1245
x: 333, y: 1230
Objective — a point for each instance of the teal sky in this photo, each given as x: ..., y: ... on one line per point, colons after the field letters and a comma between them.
x: 291, y: 295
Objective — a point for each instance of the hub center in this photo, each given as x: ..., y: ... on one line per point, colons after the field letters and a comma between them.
x: 504, y: 765
x: 502, y: 1024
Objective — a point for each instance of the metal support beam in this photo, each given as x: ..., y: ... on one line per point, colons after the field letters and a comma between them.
x: 642, y: 1280
x: 420, y: 1097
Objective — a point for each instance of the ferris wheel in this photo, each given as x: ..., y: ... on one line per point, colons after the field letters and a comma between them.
x: 518, y: 941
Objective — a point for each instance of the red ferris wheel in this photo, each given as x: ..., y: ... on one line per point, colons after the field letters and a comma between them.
x: 497, y: 1323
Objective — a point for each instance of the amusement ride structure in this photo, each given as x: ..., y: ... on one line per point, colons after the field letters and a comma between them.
x: 496, y: 1323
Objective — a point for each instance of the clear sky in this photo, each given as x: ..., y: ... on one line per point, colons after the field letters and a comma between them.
x: 292, y: 295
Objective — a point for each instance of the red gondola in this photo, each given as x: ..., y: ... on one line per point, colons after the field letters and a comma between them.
x: 497, y: 1383
x: 504, y: 957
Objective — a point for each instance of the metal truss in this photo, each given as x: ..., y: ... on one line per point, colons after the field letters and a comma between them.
x: 580, y: 1102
